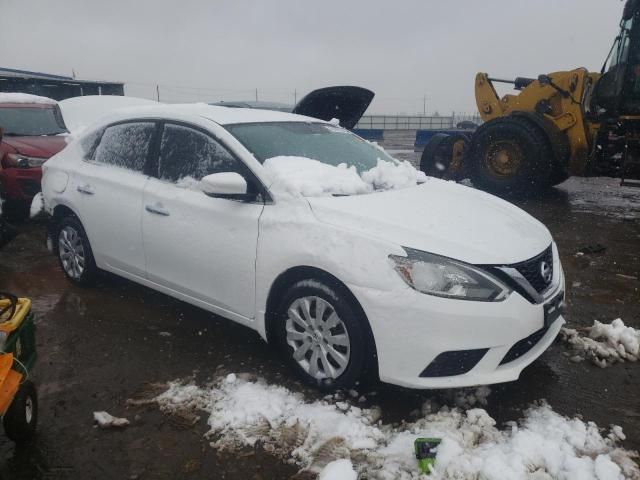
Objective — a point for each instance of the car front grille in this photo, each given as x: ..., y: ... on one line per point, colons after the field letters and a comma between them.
x: 533, y: 270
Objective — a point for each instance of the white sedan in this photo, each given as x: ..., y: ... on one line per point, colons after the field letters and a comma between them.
x: 345, y: 259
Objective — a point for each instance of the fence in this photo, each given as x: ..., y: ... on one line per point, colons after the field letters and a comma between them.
x: 413, y: 122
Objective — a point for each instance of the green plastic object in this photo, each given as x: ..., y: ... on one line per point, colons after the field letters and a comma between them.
x: 426, y: 450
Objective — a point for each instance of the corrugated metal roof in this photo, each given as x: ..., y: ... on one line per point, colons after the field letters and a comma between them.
x: 12, y: 72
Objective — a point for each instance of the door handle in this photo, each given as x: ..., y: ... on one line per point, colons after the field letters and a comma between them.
x: 157, y: 209
x: 86, y: 189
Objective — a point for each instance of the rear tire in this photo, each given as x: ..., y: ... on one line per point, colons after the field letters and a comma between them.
x: 74, y: 252
x: 443, y: 156
x: 510, y: 155
x: 21, y: 417
x: 324, y: 342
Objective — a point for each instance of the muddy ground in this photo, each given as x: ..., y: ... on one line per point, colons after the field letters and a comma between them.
x: 98, y: 347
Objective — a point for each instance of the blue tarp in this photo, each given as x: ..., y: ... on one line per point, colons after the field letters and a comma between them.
x: 370, y: 133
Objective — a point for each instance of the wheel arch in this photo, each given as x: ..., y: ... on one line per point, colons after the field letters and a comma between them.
x: 304, y: 272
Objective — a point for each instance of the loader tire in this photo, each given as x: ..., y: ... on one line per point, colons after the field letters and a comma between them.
x: 443, y: 156
x: 510, y: 156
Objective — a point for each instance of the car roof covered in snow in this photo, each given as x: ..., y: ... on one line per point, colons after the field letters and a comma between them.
x: 25, y: 98
x: 218, y: 114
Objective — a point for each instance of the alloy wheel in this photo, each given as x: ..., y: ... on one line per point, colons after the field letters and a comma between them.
x: 318, y: 337
x: 71, y: 251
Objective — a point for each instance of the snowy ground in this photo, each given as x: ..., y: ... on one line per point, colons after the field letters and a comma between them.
x: 335, y: 439
x: 604, y: 344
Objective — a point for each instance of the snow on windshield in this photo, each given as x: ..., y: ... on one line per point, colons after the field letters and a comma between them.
x: 300, y: 176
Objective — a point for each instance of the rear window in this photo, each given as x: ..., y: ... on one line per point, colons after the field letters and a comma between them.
x: 125, y: 145
x: 29, y: 121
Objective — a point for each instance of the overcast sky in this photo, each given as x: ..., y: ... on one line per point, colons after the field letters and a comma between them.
x: 206, y: 50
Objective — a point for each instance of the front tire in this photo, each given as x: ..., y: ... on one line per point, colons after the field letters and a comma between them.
x: 21, y: 417
x: 510, y: 156
x: 322, y: 335
x: 74, y: 252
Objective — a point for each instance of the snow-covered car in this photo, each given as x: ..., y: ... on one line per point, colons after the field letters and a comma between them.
x: 344, y: 258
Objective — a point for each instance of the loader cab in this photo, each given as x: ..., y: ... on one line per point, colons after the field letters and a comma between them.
x: 617, y: 92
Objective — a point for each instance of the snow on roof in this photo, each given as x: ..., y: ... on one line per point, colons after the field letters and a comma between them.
x: 79, y: 112
x: 221, y: 115
x: 11, y: 97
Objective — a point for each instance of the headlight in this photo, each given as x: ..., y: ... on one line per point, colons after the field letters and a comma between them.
x: 443, y: 277
x: 23, y: 161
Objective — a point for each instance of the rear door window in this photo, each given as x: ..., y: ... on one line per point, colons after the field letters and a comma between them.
x: 187, y: 152
x: 125, y: 145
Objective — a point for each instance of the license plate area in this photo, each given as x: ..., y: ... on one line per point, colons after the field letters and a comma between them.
x: 553, y: 309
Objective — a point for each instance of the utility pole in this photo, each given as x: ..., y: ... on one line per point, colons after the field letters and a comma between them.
x: 295, y: 96
x: 158, y: 92
x: 256, y: 94
x: 424, y: 106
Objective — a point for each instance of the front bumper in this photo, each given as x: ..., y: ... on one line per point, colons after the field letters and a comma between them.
x: 411, y: 329
x: 20, y: 184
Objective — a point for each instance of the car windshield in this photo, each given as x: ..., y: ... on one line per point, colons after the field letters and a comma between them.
x: 27, y: 121
x: 318, y: 141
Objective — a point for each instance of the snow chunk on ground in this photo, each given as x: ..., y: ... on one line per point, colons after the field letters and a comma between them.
x: 105, y: 420
x: 306, y: 177
x: 338, y: 470
x: 37, y: 205
x: 301, y: 176
x: 605, y: 344
x: 10, y: 97
x: 317, y: 435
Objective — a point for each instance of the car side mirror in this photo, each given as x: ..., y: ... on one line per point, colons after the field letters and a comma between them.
x: 229, y: 185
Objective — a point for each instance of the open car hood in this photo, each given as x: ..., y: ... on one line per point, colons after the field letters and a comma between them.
x: 345, y: 103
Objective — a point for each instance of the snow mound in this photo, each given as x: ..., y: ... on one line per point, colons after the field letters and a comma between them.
x: 388, y: 175
x: 605, y: 344
x: 9, y: 97
x: 318, y: 435
x: 37, y: 205
x: 338, y: 470
x: 306, y: 177
x: 301, y: 176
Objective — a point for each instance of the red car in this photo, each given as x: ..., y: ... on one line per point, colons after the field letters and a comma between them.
x: 32, y: 132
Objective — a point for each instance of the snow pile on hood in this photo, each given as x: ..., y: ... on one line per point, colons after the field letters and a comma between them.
x: 605, y: 344
x: 314, y: 435
x: 301, y: 176
x: 306, y: 177
x: 9, y: 97
x: 386, y: 175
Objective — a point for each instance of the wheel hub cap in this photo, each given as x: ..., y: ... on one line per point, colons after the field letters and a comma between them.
x: 504, y: 158
x: 318, y: 337
x: 71, y: 251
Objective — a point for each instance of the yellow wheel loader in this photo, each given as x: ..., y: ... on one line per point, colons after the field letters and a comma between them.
x: 564, y: 123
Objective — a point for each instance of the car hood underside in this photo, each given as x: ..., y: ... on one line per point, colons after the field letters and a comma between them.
x: 443, y: 218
